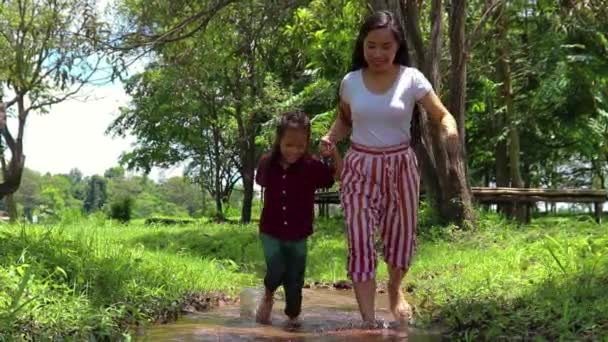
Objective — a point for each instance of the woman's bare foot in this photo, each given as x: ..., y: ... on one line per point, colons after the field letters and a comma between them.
x: 401, y: 309
x: 375, y: 324
x: 398, y: 305
x: 365, y: 292
x: 264, y: 311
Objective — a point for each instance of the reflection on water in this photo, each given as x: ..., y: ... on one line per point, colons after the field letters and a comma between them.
x: 327, y: 316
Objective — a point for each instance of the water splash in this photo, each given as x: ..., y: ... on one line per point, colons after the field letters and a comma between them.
x: 327, y: 316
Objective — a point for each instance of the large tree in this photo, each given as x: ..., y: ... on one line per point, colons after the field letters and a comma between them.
x: 444, y: 170
x: 537, y: 96
x: 178, y: 116
x: 97, y: 194
x: 237, y: 52
x: 47, y: 54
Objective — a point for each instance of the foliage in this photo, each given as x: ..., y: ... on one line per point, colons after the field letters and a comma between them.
x: 96, y: 194
x: 121, y: 209
x: 49, y: 198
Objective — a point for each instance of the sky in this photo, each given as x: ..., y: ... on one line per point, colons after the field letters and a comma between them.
x: 72, y: 134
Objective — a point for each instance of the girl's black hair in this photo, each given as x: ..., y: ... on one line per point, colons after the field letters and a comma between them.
x: 380, y: 20
x: 288, y: 120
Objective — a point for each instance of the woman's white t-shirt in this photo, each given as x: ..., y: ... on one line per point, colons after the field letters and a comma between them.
x: 380, y: 120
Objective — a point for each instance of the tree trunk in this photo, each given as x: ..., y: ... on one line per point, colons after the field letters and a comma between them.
x: 458, y: 76
x: 13, y: 171
x: 504, y: 74
x: 445, y: 181
x: 203, y: 199
x: 434, y: 56
x: 501, y: 169
x: 426, y: 152
x: 219, y: 210
x: 248, y: 173
x: 217, y: 182
x: 11, y: 205
x: 597, y: 179
x: 410, y: 15
x: 460, y: 199
x: 514, y: 166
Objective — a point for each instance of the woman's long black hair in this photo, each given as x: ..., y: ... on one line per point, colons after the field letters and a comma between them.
x: 380, y: 20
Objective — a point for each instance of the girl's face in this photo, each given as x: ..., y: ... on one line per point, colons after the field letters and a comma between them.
x: 293, y: 145
x: 379, y: 49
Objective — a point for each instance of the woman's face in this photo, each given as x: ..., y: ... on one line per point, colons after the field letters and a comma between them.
x: 379, y: 49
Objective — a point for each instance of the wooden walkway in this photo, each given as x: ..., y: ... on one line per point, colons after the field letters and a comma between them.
x: 509, y: 195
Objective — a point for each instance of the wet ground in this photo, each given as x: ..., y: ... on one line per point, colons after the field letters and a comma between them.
x: 327, y: 316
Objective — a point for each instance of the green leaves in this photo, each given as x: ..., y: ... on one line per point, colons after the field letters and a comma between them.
x: 559, y: 73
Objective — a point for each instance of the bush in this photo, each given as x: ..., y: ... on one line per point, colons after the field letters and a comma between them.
x: 121, y: 209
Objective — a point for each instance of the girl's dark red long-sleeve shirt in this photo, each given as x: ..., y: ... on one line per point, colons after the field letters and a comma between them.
x: 289, y: 195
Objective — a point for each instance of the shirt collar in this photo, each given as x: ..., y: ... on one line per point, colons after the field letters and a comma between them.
x: 298, y: 164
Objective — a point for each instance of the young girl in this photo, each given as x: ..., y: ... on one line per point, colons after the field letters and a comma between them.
x: 290, y: 177
x: 379, y: 185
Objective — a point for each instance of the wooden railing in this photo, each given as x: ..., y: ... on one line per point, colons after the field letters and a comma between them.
x: 510, y: 195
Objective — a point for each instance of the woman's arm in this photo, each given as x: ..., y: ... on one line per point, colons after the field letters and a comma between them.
x: 337, y: 163
x: 338, y: 131
x: 438, y: 114
x: 342, y: 125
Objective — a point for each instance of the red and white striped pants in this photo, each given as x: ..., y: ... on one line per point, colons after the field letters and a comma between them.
x: 379, y: 188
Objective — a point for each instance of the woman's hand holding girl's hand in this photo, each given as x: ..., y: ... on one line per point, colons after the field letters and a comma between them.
x: 327, y: 147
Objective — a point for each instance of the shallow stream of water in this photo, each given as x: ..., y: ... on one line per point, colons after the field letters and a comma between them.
x: 327, y: 316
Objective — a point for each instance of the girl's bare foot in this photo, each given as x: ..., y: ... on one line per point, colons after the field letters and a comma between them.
x: 264, y: 311
x: 294, y: 322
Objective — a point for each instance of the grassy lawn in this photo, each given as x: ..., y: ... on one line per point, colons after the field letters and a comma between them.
x: 93, y: 278
x: 548, y: 279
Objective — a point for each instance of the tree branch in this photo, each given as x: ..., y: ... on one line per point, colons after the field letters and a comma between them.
x: 56, y: 100
x: 173, y: 35
x: 42, y: 57
x: 8, y: 104
x: 10, y: 141
x: 491, y: 6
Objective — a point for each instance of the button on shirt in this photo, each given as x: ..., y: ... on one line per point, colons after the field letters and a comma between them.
x: 289, y: 195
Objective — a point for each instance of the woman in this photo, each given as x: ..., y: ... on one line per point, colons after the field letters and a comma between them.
x: 380, y: 178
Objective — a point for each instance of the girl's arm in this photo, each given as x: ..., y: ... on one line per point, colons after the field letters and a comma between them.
x: 262, y: 171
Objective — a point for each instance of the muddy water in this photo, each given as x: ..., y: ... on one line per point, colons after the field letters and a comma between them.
x: 327, y: 316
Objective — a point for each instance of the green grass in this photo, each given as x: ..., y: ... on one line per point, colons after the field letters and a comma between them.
x: 94, y: 279
x: 547, y: 280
